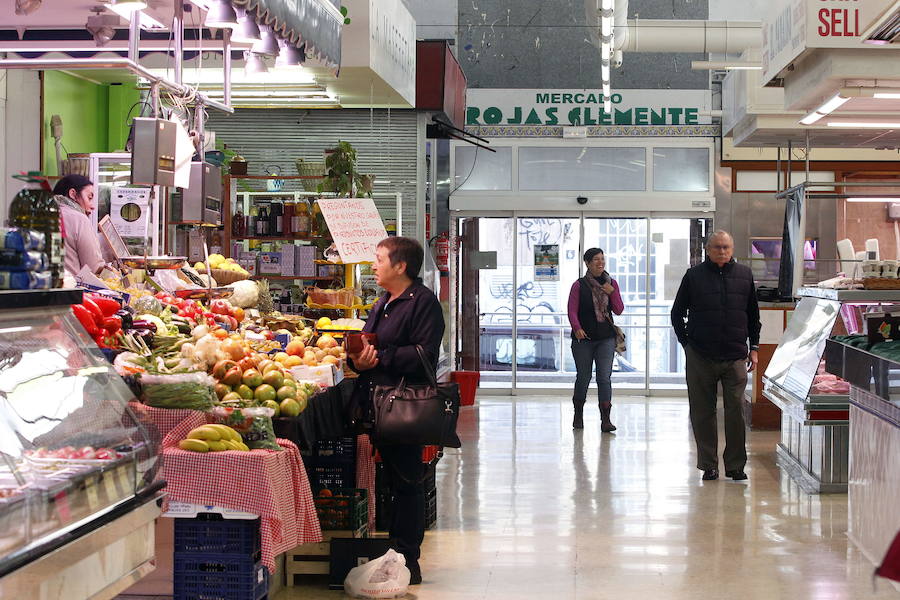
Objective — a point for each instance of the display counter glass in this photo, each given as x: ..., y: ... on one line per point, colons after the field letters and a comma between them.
x: 71, y: 451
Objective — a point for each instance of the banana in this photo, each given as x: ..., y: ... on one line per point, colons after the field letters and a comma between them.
x: 245, y: 447
x: 205, y: 433
x: 193, y: 445
x: 226, y: 432
x: 217, y: 446
x: 232, y: 445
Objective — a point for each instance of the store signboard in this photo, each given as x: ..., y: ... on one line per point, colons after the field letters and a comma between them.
x: 793, y: 26
x: 585, y: 107
x: 355, y: 226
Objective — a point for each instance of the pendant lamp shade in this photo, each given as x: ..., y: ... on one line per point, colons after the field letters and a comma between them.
x: 221, y: 14
x: 268, y: 43
x: 290, y: 55
x: 254, y: 63
x: 247, y: 31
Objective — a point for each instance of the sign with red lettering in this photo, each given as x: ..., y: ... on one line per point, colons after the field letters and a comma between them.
x: 355, y: 226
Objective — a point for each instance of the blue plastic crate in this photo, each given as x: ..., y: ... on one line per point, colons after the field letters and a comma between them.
x: 199, y: 576
x: 211, y: 534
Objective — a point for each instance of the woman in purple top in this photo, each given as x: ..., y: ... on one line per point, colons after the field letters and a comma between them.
x: 592, y: 301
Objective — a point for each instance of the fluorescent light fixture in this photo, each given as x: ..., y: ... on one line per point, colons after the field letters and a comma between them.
x: 606, y: 26
x: 866, y: 124
x: 221, y: 14
x: 604, y: 70
x: 873, y: 199
x: 827, y: 108
x: 886, y: 95
x: 290, y: 56
x: 212, y: 77
x: 247, y: 31
x: 254, y: 63
x: 605, y: 50
x: 725, y: 65
x: 606, y: 4
x: 272, y: 93
x: 607, y: 90
x: 126, y: 7
x: 268, y: 43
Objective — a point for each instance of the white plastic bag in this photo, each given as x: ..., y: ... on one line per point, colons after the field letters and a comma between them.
x: 384, y: 577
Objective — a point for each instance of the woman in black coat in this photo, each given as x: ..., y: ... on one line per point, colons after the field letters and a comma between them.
x: 408, y: 314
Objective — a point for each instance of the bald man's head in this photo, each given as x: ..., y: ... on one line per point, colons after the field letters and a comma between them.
x: 720, y: 247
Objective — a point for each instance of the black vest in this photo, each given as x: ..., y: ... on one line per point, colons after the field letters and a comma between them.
x: 595, y: 330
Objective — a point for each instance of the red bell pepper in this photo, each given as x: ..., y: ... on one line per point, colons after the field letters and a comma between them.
x: 94, y: 310
x: 112, y: 324
x: 108, y: 306
x: 86, y: 319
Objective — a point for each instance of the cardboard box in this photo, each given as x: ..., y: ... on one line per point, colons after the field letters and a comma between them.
x: 304, y: 261
x: 288, y: 259
x: 268, y: 263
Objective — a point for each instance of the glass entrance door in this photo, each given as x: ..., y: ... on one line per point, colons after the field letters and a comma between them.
x: 516, y: 274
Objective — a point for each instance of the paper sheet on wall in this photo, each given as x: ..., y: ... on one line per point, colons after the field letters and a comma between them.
x: 129, y: 210
x: 355, y: 226
x: 184, y: 152
x: 772, y: 326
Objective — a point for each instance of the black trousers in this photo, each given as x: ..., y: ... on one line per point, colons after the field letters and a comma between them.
x: 403, y: 465
x: 703, y: 377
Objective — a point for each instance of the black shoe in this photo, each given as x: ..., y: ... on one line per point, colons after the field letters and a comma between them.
x: 578, y: 421
x: 415, y: 574
x: 710, y: 474
x: 736, y: 475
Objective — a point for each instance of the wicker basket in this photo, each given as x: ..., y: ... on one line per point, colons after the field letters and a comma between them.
x: 224, y: 277
x: 310, y: 169
x: 881, y: 283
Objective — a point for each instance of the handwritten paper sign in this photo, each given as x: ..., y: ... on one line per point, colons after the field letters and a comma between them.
x: 129, y: 210
x: 355, y: 225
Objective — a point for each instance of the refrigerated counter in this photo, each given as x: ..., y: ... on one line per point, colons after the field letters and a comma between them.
x: 814, y: 446
x: 78, y: 486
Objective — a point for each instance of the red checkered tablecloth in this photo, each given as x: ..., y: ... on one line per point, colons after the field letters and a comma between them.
x: 365, y: 473
x: 165, y: 419
x: 268, y: 483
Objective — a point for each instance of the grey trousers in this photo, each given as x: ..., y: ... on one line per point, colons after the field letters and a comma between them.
x: 703, y: 376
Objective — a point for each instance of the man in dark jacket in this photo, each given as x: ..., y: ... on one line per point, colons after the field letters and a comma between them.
x: 718, y: 299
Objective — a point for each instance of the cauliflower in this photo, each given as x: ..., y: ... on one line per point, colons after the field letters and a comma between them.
x: 246, y: 293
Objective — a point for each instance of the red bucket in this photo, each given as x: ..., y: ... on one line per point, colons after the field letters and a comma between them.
x: 468, y: 383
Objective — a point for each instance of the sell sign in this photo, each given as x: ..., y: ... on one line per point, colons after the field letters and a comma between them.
x: 585, y: 107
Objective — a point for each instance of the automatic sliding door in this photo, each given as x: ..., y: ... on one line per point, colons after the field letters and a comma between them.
x: 624, y: 242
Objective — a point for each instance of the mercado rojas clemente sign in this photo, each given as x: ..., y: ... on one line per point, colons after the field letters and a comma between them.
x: 585, y: 107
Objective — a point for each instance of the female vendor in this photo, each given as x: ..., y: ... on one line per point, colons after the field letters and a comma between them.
x: 75, y: 196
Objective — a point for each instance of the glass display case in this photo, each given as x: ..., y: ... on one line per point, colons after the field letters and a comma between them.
x: 73, y: 456
x: 815, y: 404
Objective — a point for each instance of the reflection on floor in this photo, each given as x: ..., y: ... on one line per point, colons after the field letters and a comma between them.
x: 530, y: 509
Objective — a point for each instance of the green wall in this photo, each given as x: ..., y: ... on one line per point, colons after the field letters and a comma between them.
x: 93, y: 116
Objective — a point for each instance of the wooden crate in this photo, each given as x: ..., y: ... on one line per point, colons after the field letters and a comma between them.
x: 314, y: 558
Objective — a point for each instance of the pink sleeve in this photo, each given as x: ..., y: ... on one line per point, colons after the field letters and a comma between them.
x: 573, y: 306
x: 615, y: 300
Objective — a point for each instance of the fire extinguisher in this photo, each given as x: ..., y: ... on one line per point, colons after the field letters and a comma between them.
x: 442, y: 252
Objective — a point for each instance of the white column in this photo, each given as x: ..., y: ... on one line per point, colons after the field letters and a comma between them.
x: 20, y: 128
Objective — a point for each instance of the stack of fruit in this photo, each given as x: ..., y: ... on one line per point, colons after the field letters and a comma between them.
x: 217, y: 261
x: 213, y: 438
x: 326, y: 351
x: 256, y: 380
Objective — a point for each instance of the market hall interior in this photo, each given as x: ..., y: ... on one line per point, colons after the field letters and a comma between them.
x: 529, y: 508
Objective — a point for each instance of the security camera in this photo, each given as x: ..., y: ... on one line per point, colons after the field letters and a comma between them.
x: 582, y: 199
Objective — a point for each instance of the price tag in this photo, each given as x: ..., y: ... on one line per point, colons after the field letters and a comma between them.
x: 126, y: 484
x: 62, y: 507
x: 110, y: 485
x: 93, y: 497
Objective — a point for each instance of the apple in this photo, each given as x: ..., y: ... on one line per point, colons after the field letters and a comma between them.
x: 326, y: 341
x: 221, y: 390
x: 280, y: 357
x: 233, y: 377
x: 220, y: 307
x: 252, y: 378
x: 222, y: 367
x: 290, y: 408
x: 302, y: 403
x: 274, y: 377
x: 272, y: 367
x: 265, y: 392
x: 295, y: 348
x: 286, y: 391
x: 244, y: 392
x: 231, y: 397
x: 274, y: 406
x: 247, y: 363
x: 261, y: 366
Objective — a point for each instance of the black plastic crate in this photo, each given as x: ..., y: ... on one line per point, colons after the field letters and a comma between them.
x: 383, y: 511
x: 338, y: 448
x: 344, y: 509
x: 326, y: 473
x: 211, y: 534
x: 199, y: 576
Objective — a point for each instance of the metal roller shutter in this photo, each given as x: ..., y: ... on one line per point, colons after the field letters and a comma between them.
x: 385, y: 144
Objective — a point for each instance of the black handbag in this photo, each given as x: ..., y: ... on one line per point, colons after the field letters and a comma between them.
x: 417, y: 414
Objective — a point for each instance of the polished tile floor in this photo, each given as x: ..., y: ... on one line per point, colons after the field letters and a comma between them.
x: 530, y: 509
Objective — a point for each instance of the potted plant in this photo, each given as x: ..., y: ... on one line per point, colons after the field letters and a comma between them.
x: 341, y: 174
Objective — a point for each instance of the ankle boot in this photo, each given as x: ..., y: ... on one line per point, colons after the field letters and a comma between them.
x: 605, y: 424
x: 578, y: 420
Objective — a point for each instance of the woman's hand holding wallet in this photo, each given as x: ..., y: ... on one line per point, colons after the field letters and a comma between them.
x: 366, y: 358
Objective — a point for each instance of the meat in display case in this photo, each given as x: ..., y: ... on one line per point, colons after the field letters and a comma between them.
x: 73, y: 456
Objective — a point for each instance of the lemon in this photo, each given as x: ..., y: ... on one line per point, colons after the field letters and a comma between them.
x: 323, y: 323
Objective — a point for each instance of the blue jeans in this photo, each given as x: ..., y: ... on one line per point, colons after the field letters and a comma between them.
x: 588, y: 353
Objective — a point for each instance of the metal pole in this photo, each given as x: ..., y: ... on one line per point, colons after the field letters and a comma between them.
x: 790, y: 158
x: 154, y: 98
x: 134, y: 36
x: 178, y: 35
x: 226, y: 67
x: 778, y: 170
x: 200, y: 125
x: 807, y: 155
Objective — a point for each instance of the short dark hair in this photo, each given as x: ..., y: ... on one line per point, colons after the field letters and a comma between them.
x: 590, y: 253
x: 407, y: 250
x: 71, y: 182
